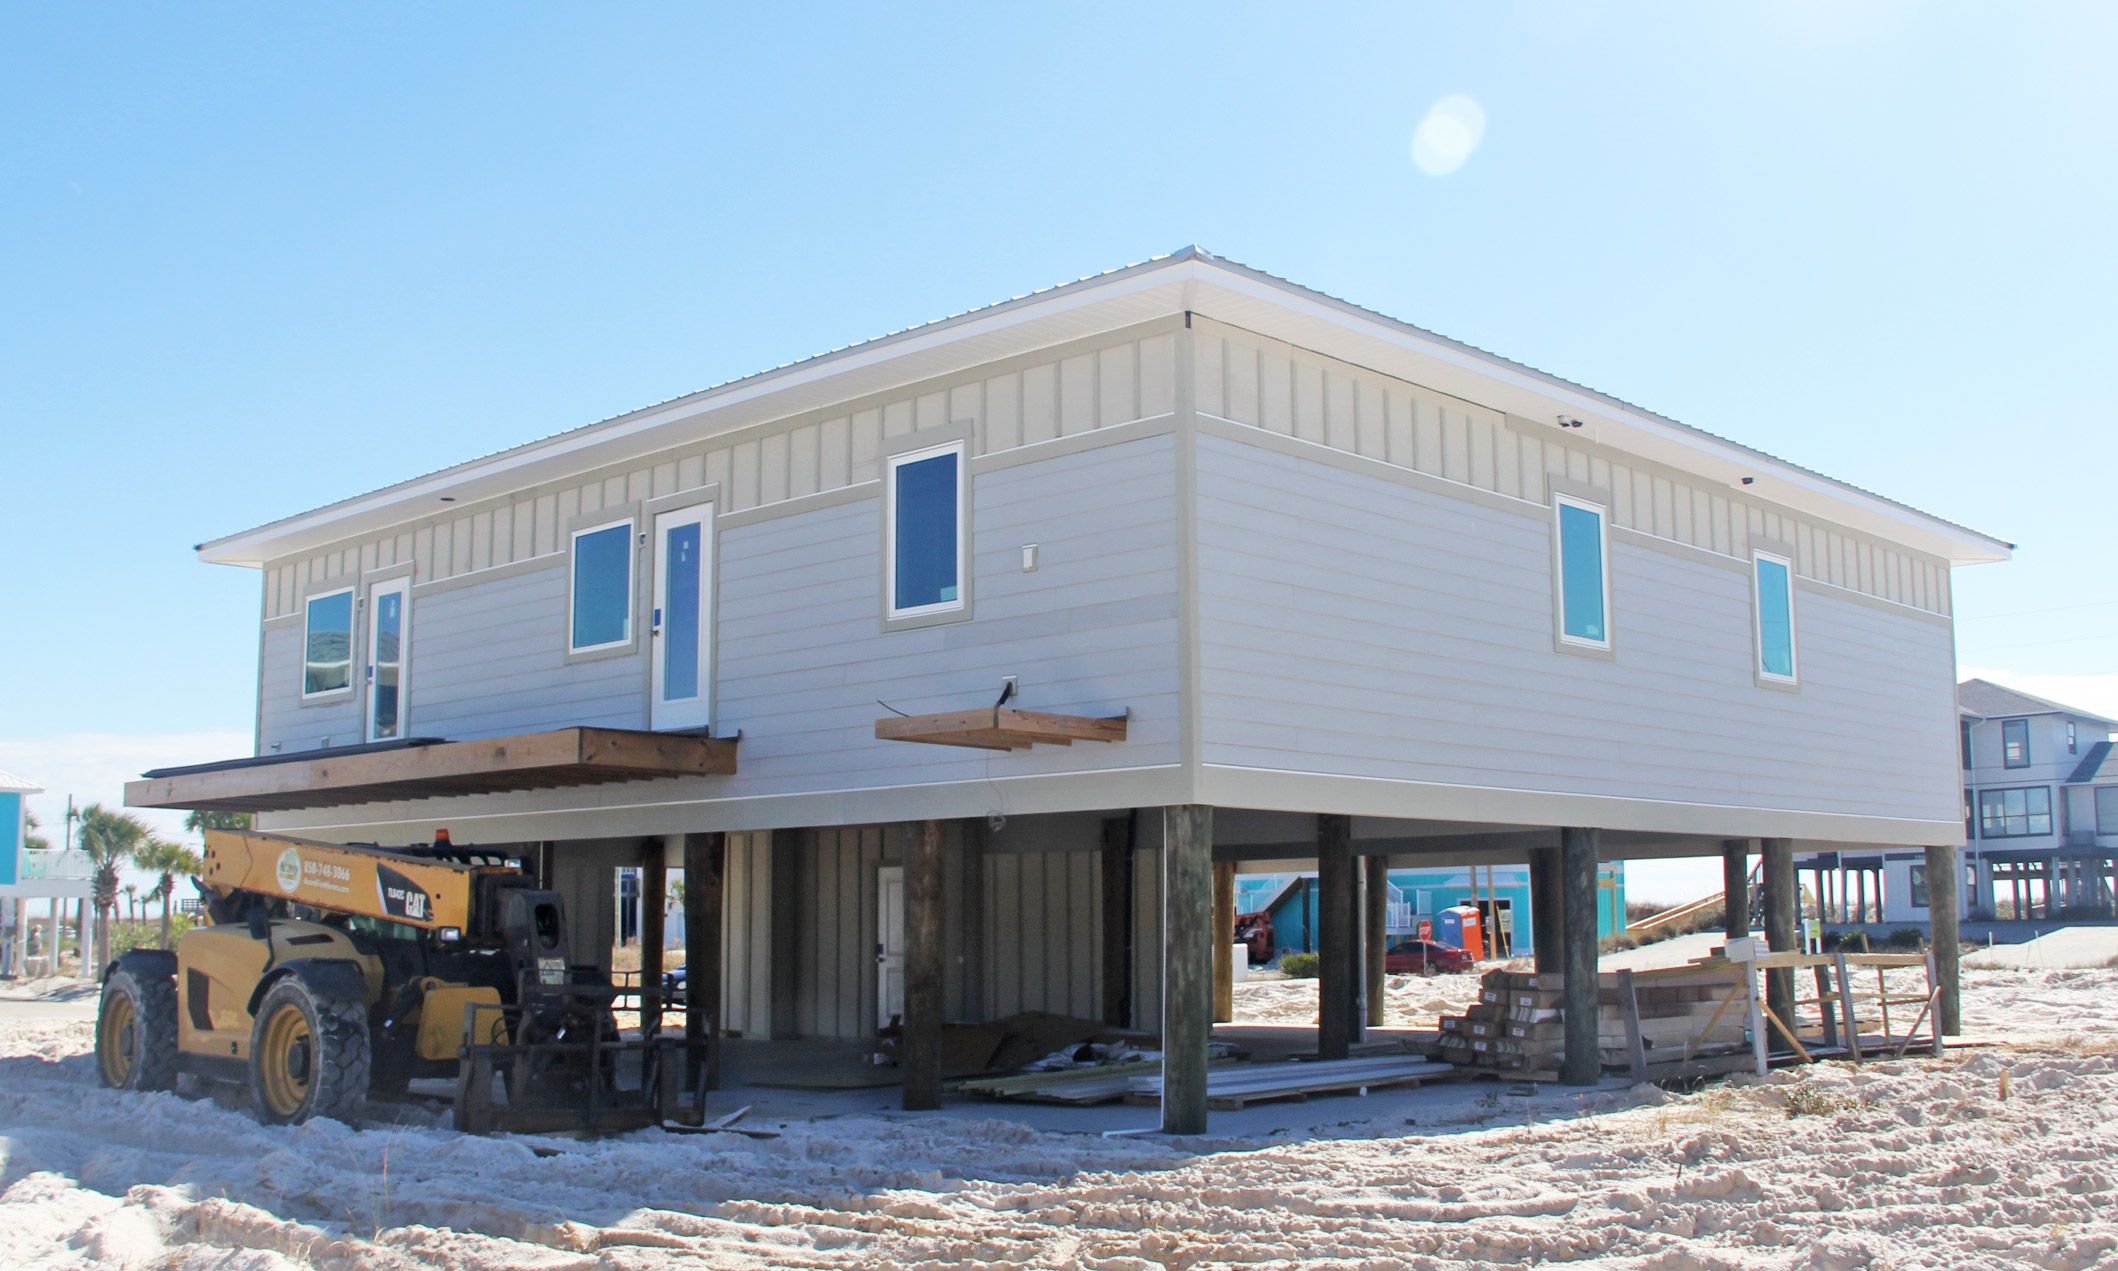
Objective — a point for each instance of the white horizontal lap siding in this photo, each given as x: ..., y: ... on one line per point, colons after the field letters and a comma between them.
x: 1360, y: 626
x: 284, y: 722
x: 1277, y: 388
x: 803, y: 661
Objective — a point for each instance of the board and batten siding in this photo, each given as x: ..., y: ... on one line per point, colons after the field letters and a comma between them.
x: 1249, y: 379
x: 1360, y: 625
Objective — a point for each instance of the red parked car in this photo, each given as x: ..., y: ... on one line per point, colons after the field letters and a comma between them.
x: 1416, y: 957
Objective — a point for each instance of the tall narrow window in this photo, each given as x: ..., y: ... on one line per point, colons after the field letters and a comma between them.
x: 1584, y: 588
x: 2073, y: 739
x: 1773, y: 578
x: 601, y: 608
x: 2015, y: 743
x: 925, y: 531
x: 327, y: 644
x: 1964, y: 730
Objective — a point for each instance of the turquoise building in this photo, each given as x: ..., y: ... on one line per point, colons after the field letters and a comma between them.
x: 1416, y: 895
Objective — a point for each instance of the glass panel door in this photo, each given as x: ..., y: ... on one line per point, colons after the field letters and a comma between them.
x: 389, y: 631
x: 683, y: 669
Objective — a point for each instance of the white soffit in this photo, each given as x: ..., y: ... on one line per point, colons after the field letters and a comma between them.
x: 1187, y: 280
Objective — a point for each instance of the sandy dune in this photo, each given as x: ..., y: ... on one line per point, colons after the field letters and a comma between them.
x: 1920, y: 1163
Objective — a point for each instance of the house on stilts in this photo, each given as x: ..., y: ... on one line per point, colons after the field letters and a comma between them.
x: 960, y: 669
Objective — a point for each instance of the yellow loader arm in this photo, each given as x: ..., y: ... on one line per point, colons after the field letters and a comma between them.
x: 373, y: 882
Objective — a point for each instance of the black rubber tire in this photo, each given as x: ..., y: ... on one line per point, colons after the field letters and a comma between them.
x: 339, y: 1055
x: 153, y: 1000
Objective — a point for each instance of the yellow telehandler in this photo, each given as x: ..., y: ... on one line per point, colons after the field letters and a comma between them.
x: 329, y: 973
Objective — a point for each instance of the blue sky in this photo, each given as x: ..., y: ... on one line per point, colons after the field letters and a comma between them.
x: 260, y: 260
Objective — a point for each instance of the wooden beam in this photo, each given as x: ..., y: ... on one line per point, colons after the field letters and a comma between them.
x: 1375, y: 927
x: 1782, y: 923
x: 1187, y: 965
x: 654, y: 905
x: 705, y: 863
x: 1578, y: 846
x: 1944, y: 877
x: 564, y: 756
x: 784, y: 899
x: 1000, y: 728
x: 1117, y: 913
x: 1224, y: 910
x: 1338, y: 914
x: 921, y: 1054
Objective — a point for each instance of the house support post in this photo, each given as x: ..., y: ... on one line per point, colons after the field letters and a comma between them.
x: 785, y: 899
x: 1547, y: 911
x: 1944, y: 876
x: 1117, y: 867
x: 1577, y: 867
x: 1375, y: 895
x: 654, y: 908
x: 1735, y: 887
x: 1223, y: 941
x: 1783, y: 922
x: 1338, y: 920
x: 1187, y: 965
x: 705, y: 858
x: 921, y: 1056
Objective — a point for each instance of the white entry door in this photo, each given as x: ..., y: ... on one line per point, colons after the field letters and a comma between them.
x: 889, y: 943
x: 389, y: 643
x: 681, y: 631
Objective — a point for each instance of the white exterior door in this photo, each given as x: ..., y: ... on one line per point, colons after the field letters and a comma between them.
x: 681, y: 630
x: 389, y: 646
x: 889, y: 943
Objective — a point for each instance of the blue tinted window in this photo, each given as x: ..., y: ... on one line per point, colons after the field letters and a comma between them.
x: 1775, y: 620
x: 327, y: 654
x: 924, y: 572
x: 1581, y: 573
x: 680, y: 626
x: 603, y: 587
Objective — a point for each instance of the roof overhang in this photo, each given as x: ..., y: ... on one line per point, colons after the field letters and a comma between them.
x: 1187, y: 281
x: 528, y: 761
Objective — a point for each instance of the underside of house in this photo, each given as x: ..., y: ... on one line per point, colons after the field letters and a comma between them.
x: 1220, y: 573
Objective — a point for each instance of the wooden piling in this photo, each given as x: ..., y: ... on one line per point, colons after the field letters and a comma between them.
x: 1338, y: 990
x: 705, y: 857
x: 1547, y: 911
x: 654, y: 907
x: 1583, y: 1065
x: 1944, y: 877
x: 920, y: 1053
x: 1783, y: 922
x: 1117, y: 897
x: 1224, y: 911
x: 1375, y: 896
x: 1187, y: 965
x: 1735, y: 887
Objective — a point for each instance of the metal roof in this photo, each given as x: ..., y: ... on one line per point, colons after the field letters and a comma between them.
x: 1188, y: 279
x: 1983, y: 699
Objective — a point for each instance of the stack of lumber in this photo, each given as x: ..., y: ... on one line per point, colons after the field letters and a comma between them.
x: 1228, y: 1085
x: 1645, y: 1019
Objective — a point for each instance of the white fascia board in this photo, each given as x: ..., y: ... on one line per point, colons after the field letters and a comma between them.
x: 1310, y: 320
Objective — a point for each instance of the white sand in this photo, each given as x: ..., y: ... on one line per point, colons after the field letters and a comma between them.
x: 1919, y: 1163
x: 1415, y: 1001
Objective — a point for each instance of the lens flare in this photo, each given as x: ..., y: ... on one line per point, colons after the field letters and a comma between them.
x: 1448, y: 135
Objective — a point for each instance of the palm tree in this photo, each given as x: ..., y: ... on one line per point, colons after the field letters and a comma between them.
x: 201, y: 821
x: 34, y: 841
x: 132, y: 902
x: 169, y: 860
x: 111, y: 840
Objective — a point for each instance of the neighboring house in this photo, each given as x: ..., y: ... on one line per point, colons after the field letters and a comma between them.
x: 1502, y: 892
x: 28, y: 875
x: 1274, y: 576
x: 2040, y: 823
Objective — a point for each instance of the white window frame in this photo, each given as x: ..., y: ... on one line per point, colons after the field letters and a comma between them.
x: 1757, y: 619
x: 352, y: 649
x: 890, y: 610
x: 1603, y: 549
x: 632, y: 583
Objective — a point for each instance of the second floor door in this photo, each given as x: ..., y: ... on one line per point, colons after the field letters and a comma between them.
x: 681, y: 630
x: 389, y: 643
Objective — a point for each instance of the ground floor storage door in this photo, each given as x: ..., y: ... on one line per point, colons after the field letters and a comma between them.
x: 890, y: 942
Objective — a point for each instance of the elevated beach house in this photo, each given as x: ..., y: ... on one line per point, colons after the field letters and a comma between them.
x: 959, y: 668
